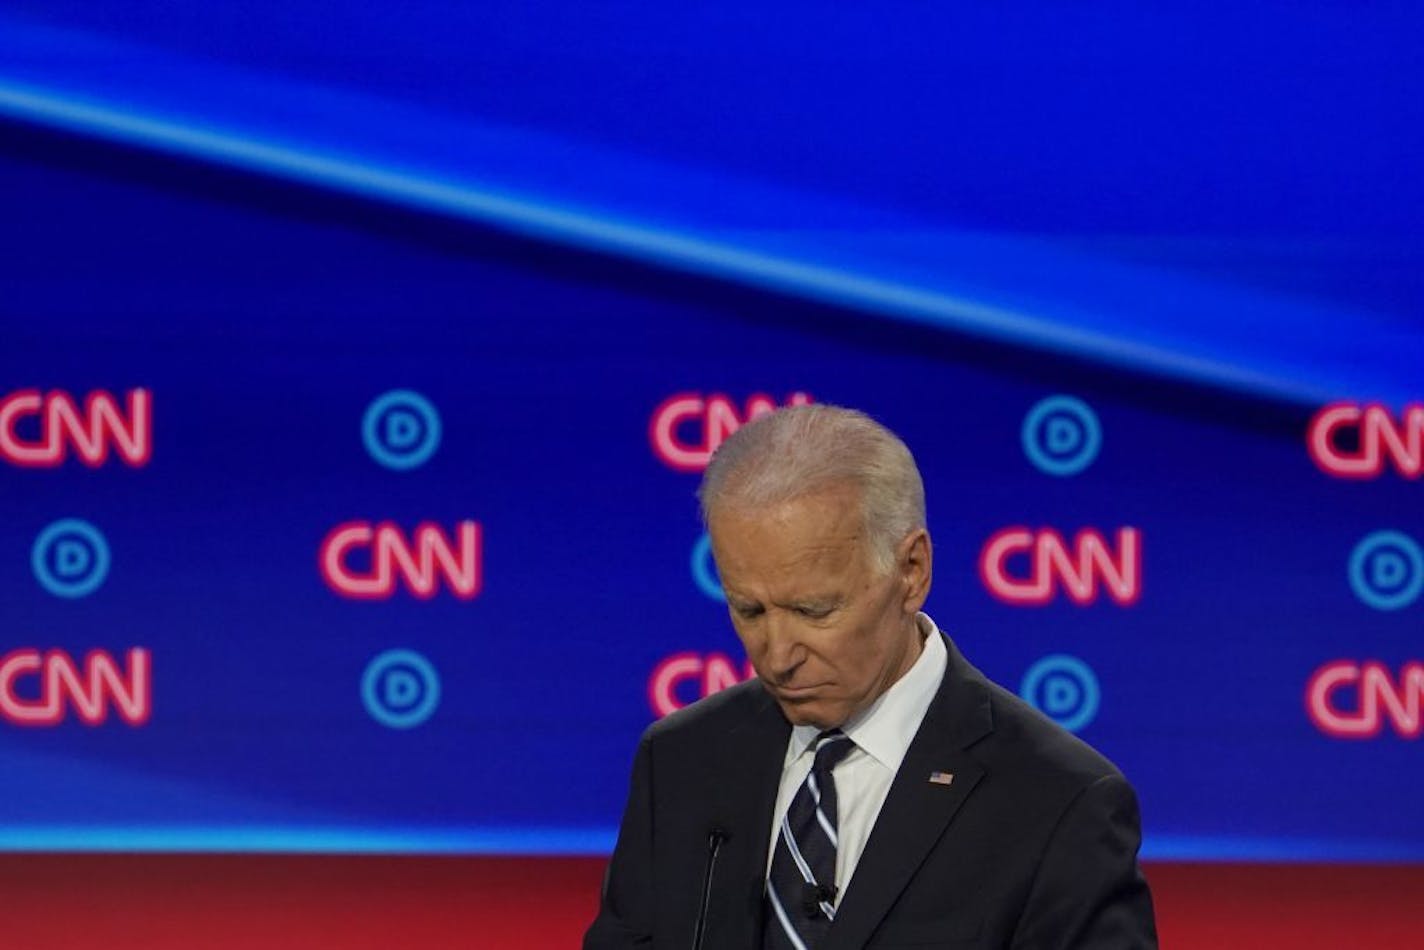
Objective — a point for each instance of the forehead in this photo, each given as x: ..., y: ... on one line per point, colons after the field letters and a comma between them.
x: 815, y: 538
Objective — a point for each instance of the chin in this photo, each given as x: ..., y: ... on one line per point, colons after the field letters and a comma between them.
x: 811, y: 714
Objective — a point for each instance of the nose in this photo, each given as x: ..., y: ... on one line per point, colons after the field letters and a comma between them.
x: 784, y: 652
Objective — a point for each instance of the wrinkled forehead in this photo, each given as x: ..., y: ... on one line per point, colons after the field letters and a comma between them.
x: 821, y: 531
x: 739, y: 501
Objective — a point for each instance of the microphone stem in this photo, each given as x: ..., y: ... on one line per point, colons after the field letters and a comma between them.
x: 714, y: 846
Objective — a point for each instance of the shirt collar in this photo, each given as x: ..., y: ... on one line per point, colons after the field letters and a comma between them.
x: 884, y: 729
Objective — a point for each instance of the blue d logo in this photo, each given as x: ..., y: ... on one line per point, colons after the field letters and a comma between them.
x: 401, y: 429
x: 1387, y: 570
x: 70, y: 558
x: 1061, y: 435
x: 1063, y: 688
x: 400, y: 689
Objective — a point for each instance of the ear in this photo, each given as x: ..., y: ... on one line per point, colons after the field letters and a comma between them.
x: 914, y: 561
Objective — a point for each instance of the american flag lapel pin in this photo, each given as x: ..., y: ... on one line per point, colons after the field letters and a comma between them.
x: 941, y: 778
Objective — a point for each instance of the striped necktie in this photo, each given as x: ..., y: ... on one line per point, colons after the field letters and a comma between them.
x: 801, y: 888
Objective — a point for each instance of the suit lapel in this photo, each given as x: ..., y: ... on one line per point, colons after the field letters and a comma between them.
x: 916, y: 810
x: 757, y: 746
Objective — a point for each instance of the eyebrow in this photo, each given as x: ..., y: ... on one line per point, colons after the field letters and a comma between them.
x: 816, y: 600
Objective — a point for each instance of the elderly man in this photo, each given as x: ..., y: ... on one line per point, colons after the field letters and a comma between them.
x: 870, y: 788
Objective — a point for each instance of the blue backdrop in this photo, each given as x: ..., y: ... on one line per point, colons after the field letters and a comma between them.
x: 548, y: 223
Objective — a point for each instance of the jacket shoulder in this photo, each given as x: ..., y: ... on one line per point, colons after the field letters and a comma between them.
x: 710, y: 715
x: 1039, y: 747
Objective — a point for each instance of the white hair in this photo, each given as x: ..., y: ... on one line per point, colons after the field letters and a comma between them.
x: 799, y: 450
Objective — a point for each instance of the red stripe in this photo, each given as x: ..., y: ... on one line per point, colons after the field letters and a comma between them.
x: 217, y: 902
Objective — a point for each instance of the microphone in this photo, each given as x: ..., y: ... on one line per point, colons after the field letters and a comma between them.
x: 814, y: 895
x: 717, y: 836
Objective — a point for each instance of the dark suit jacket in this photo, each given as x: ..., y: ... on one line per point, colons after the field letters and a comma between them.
x: 1032, y: 845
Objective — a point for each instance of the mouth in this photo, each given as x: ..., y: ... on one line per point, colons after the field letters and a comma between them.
x: 798, y: 692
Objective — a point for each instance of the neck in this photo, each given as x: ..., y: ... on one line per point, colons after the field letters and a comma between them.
x: 915, y: 640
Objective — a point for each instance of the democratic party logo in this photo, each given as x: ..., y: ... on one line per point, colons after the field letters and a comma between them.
x: 1063, y: 688
x: 1386, y: 570
x: 401, y: 429
x: 1028, y: 568
x: 683, y: 678
x: 369, y: 561
x: 400, y: 689
x: 70, y: 558
x: 1061, y: 435
x: 1350, y: 440
x: 1352, y: 699
x: 43, y: 688
x: 687, y: 428
x: 704, y: 569
x: 41, y: 430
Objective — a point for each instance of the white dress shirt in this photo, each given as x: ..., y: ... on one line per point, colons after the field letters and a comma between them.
x: 882, y: 734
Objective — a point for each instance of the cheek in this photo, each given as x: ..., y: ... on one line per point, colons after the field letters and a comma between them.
x: 844, y: 651
x: 751, y: 642
x: 865, y: 649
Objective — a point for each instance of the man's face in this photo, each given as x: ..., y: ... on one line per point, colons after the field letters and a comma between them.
x: 826, y: 632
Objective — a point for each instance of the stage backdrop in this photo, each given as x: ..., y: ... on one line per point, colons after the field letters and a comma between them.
x: 356, y: 377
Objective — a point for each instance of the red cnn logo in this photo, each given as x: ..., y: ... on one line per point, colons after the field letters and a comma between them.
x: 90, y: 692
x: 1378, y: 435
x: 62, y: 426
x: 1052, y: 564
x: 710, y: 420
x: 705, y: 676
x: 1377, y: 697
x: 420, y: 561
